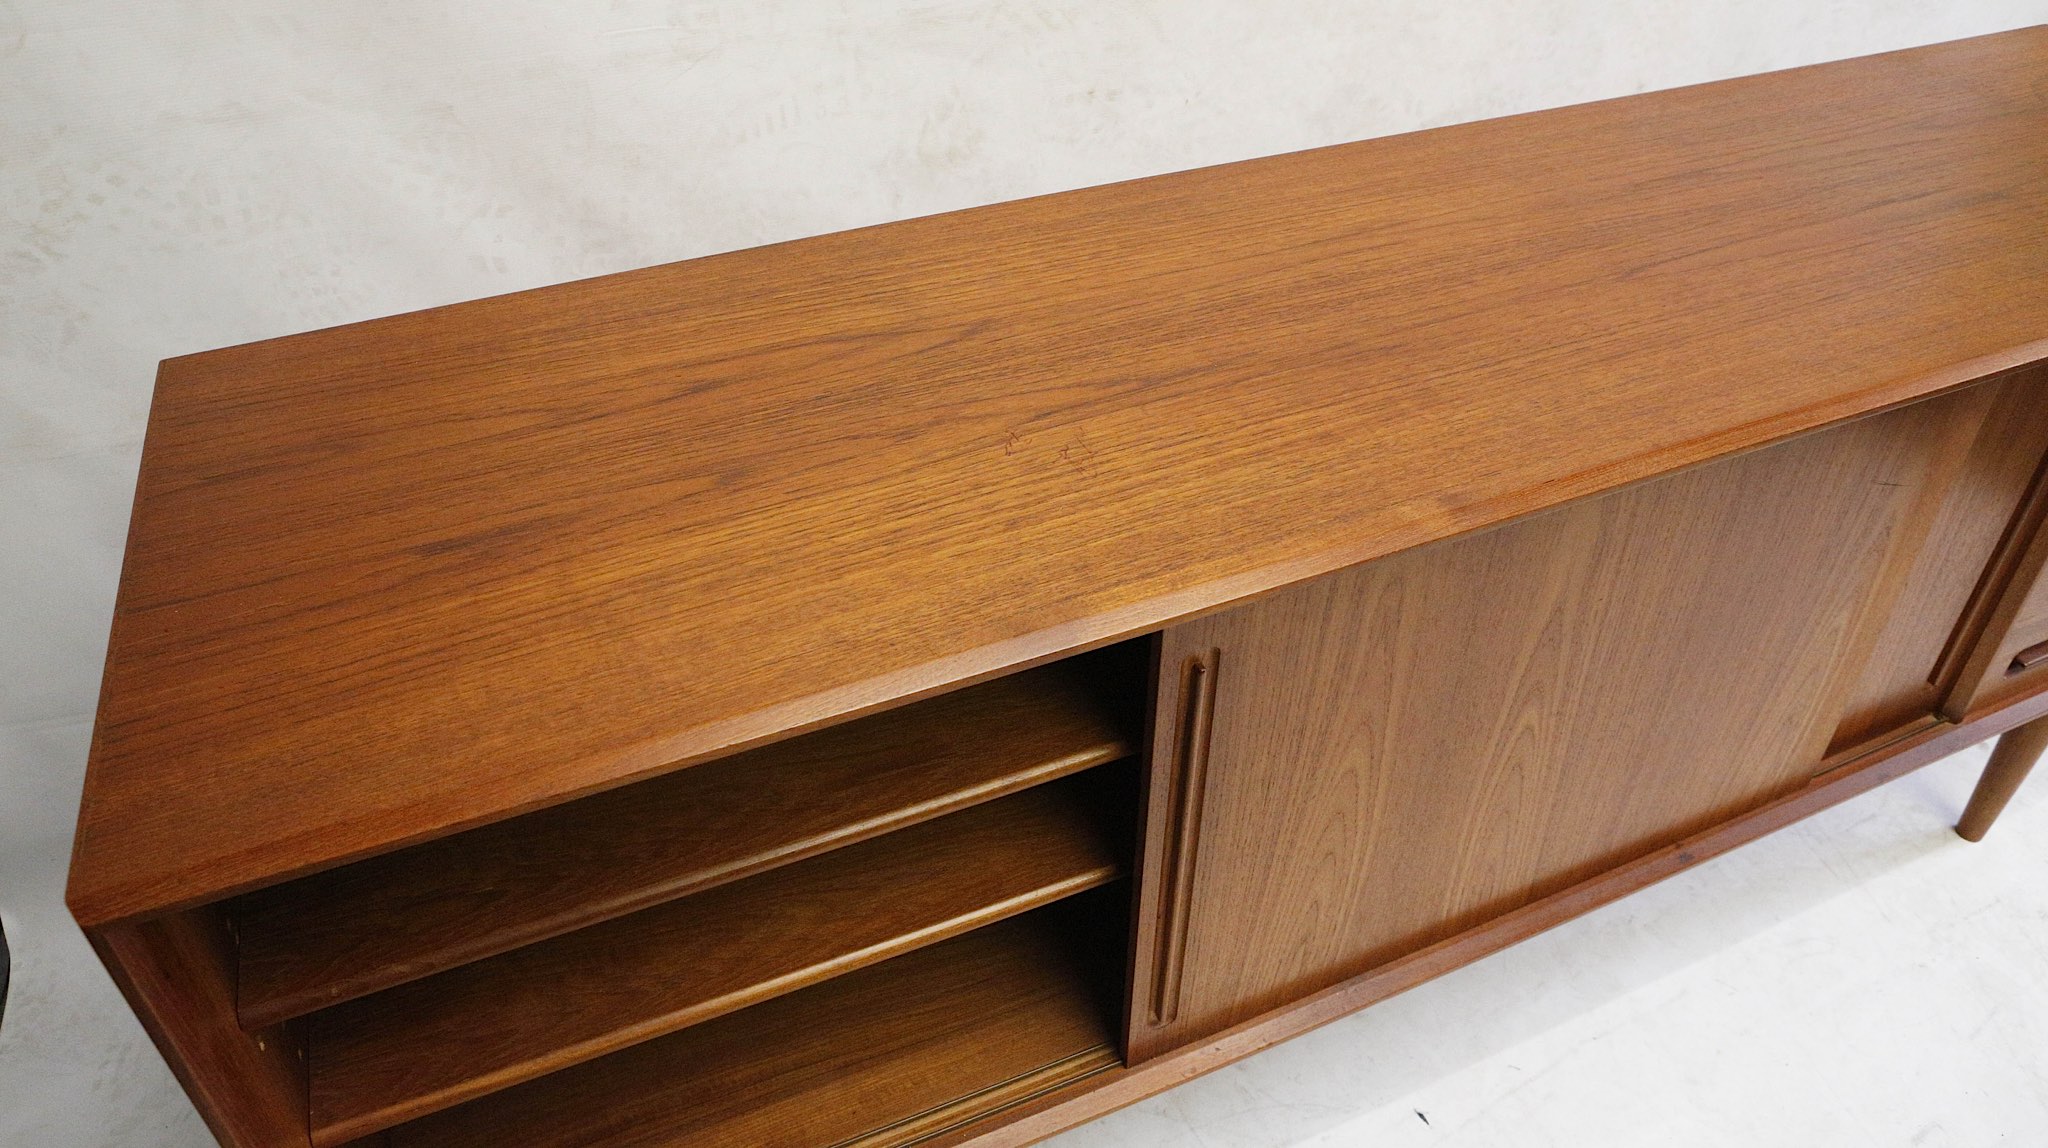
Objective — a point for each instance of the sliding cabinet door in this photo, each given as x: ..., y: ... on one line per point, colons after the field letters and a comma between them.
x: 1964, y: 600
x: 1358, y: 767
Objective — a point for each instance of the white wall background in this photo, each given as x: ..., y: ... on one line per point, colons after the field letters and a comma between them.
x: 179, y: 176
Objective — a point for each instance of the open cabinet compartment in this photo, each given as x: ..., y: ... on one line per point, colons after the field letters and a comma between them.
x: 866, y: 934
x: 894, y: 1054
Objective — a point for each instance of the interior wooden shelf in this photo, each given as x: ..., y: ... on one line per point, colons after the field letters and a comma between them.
x: 349, y: 932
x: 885, y: 1056
x: 442, y: 1040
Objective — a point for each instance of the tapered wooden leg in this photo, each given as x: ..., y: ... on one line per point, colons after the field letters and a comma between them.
x: 2010, y: 763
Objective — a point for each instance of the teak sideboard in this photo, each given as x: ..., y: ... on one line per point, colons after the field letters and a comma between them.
x: 937, y: 683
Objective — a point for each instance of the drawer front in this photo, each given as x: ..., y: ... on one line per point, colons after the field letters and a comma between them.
x: 2028, y: 640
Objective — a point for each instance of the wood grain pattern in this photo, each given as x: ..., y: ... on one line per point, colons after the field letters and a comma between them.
x: 2029, y: 627
x: 889, y: 1055
x: 178, y: 974
x: 1910, y: 667
x: 2010, y: 614
x: 1931, y: 741
x: 389, y: 581
x: 1180, y: 846
x: 436, y: 1042
x: 348, y: 932
x: 1403, y: 751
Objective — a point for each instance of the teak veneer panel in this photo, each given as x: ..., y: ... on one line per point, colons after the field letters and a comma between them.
x: 1387, y: 757
x: 883, y: 1056
x: 178, y: 974
x: 1931, y: 741
x: 1924, y: 642
x: 2013, y: 614
x: 396, y: 579
x: 439, y: 1041
x: 352, y: 931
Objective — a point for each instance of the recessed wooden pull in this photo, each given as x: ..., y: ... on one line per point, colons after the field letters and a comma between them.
x: 1191, y: 759
x: 2028, y: 658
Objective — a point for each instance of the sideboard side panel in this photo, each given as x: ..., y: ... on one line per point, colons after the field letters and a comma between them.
x: 1396, y: 753
x: 178, y: 973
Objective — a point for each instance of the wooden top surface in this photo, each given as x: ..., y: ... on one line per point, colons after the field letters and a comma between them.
x: 393, y: 579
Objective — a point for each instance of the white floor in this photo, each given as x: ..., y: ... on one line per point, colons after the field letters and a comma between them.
x: 181, y: 176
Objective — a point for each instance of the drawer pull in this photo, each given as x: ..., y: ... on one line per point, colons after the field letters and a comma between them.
x: 2028, y: 658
